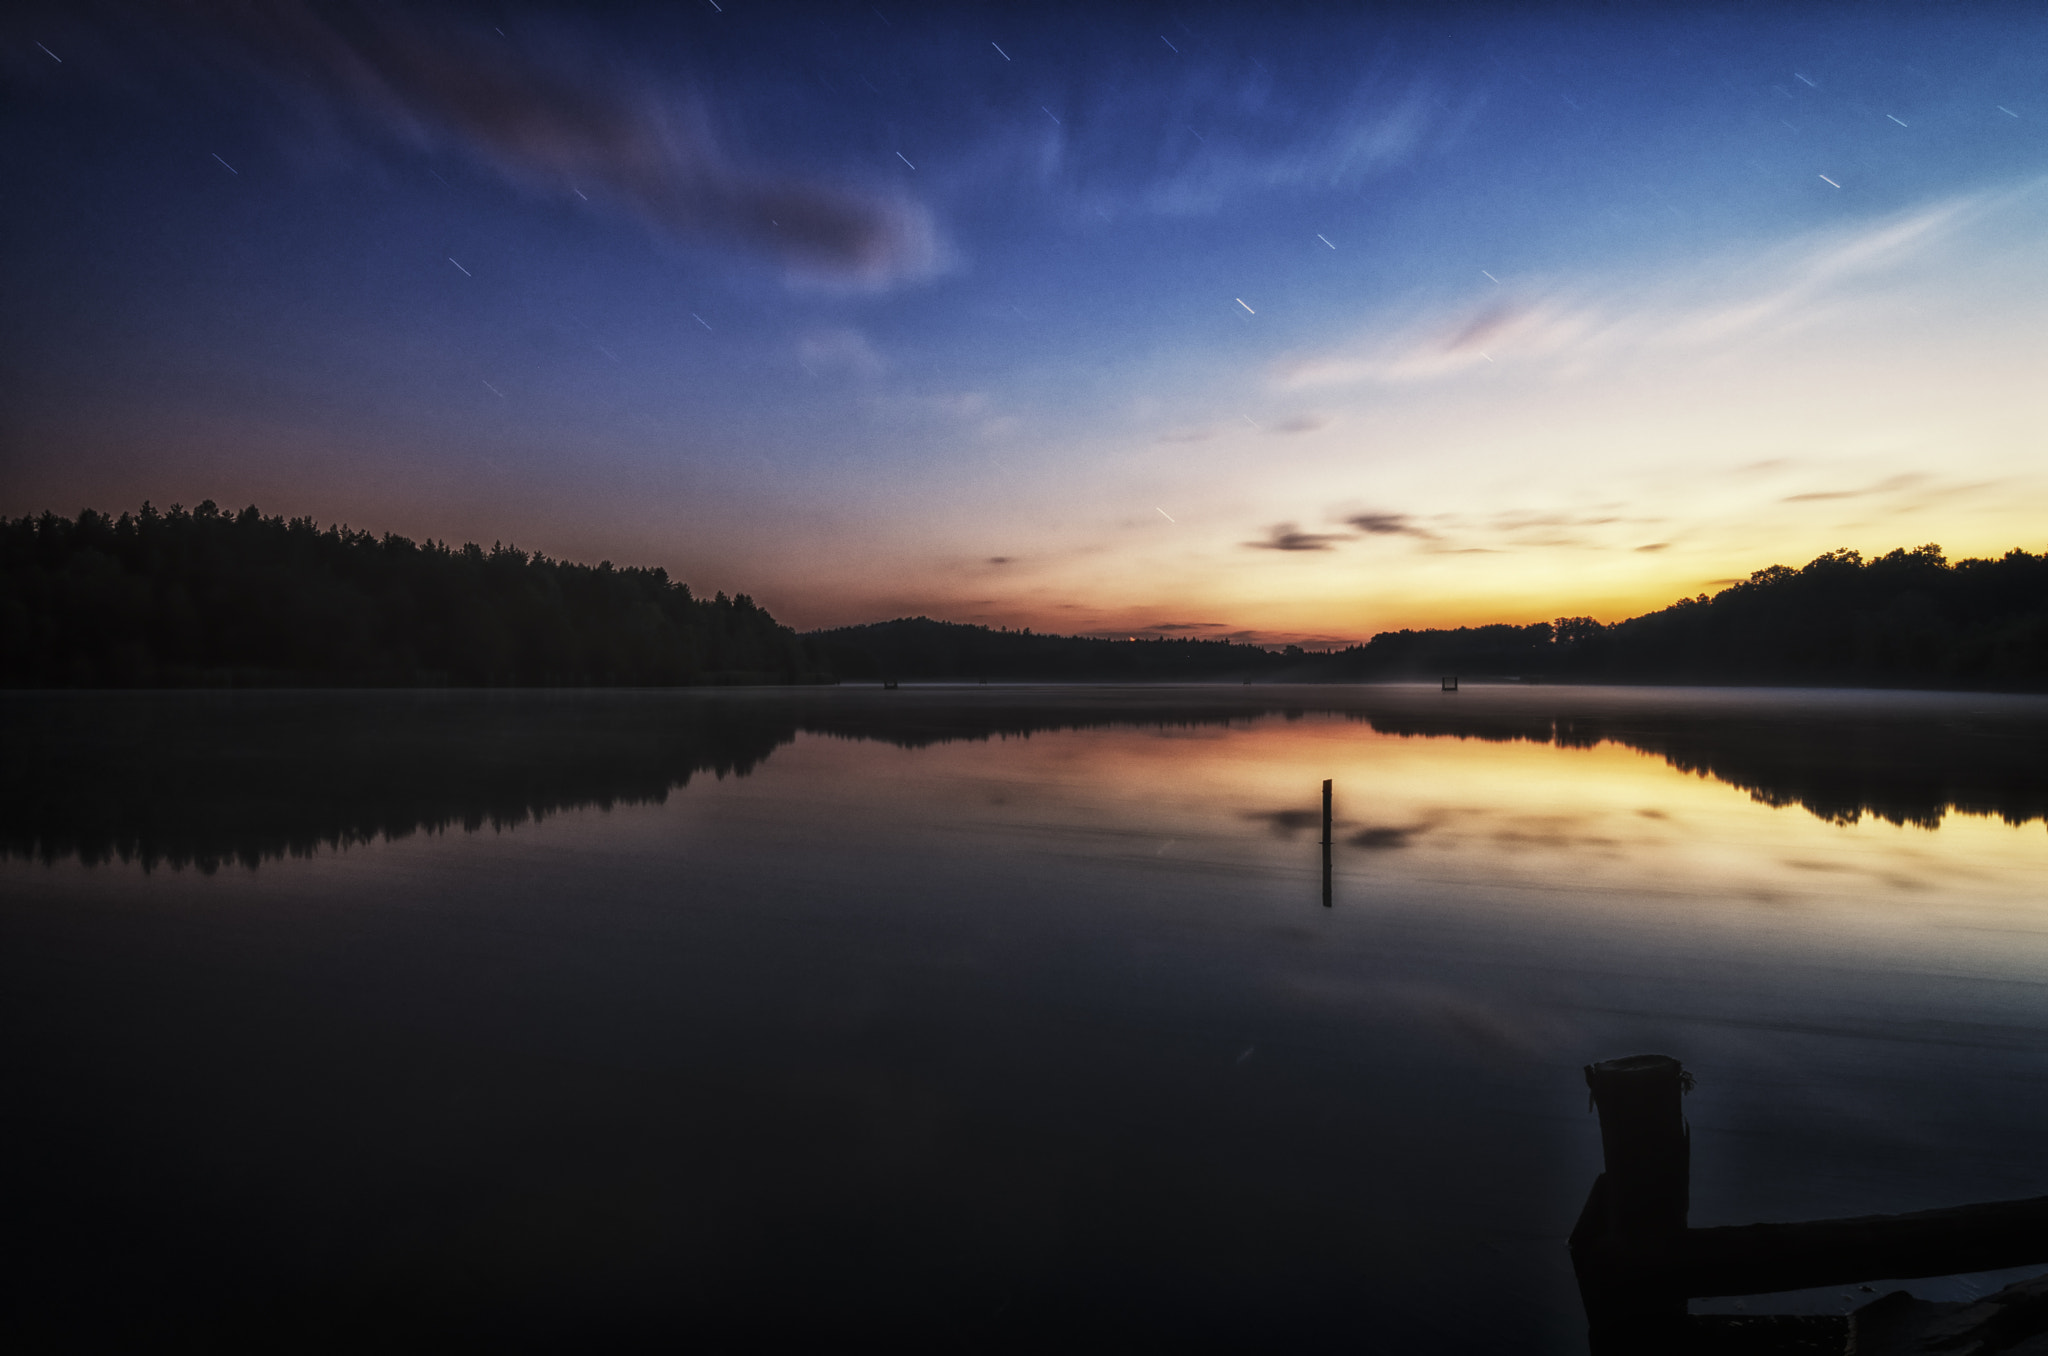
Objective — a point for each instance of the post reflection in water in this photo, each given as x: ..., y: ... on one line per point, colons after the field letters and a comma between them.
x: 1003, y: 1013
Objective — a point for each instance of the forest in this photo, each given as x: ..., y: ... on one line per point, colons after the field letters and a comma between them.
x: 205, y: 598
x: 1907, y: 618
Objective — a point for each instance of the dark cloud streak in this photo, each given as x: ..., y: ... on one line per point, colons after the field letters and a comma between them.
x: 558, y: 117
x: 1288, y: 537
x: 1389, y: 525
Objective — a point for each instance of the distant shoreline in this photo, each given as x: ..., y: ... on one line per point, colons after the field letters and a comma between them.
x: 215, y: 599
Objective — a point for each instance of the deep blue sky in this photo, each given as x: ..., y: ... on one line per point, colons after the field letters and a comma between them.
x: 1095, y: 318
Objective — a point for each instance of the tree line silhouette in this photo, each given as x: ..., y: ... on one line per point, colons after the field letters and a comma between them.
x: 207, y: 598
x: 211, y: 598
x: 1907, y: 618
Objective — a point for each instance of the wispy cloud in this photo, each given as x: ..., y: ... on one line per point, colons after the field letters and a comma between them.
x: 1889, y: 485
x: 1289, y: 537
x: 562, y: 116
x: 1519, y: 329
x: 840, y: 350
x: 932, y: 404
x: 1389, y: 525
x: 1220, y: 138
x: 1779, y: 292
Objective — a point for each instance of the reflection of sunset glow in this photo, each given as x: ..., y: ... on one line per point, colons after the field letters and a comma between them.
x: 1484, y: 817
x: 1601, y: 833
x: 850, y: 948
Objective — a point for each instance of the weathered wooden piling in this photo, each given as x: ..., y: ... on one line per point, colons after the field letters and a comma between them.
x: 1637, y: 1262
x: 1625, y: 1243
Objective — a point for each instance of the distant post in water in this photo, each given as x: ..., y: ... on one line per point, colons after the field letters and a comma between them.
x: 1450, y: 682
x: 1326, y: 842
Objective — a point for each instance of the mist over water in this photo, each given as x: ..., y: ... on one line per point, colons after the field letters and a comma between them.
x: 997, y: 1014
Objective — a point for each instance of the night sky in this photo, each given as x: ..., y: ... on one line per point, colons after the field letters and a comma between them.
x: 1098, y: 319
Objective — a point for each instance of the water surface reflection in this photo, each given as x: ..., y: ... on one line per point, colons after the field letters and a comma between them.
x: 983, y: 1016
x: 202, y: 778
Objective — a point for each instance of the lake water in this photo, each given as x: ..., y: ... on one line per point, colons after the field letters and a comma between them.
x: 993, y: 1016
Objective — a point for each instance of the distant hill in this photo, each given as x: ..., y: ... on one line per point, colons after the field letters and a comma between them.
x: 918, y: 649
x: 1908, y: 618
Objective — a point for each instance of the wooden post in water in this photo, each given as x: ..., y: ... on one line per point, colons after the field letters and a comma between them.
x: 1326, y: 842
x: 1450, y: 682
x: 1627, y: 1243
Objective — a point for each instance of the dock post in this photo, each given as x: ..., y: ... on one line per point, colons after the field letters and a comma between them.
x: 1326, y: 842
x: 1626, y: 1247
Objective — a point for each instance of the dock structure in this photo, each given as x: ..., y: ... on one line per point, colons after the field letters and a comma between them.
x: 1638, y: 1261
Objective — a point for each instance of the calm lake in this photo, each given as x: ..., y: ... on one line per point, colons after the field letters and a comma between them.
x: 997, y: 1016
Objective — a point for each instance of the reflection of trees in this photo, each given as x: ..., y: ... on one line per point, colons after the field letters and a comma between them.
x: 203, y: 778
x: 207, y: 778
x: 1909, y: 766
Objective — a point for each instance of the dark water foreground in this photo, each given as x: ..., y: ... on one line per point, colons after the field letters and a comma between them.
x: 995, y: 1016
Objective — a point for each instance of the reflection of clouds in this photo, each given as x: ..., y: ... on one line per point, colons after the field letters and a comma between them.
x: 1465, y: 827
x: 1781, y: 292
x: 559, y: 121
x: 1381, y: 837
x: 1556, y: 832
x: 1287, y: 823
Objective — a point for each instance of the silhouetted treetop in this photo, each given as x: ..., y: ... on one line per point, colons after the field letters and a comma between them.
x: 207, y: 597
x: 212, y: 598
x: 1907, y: 618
